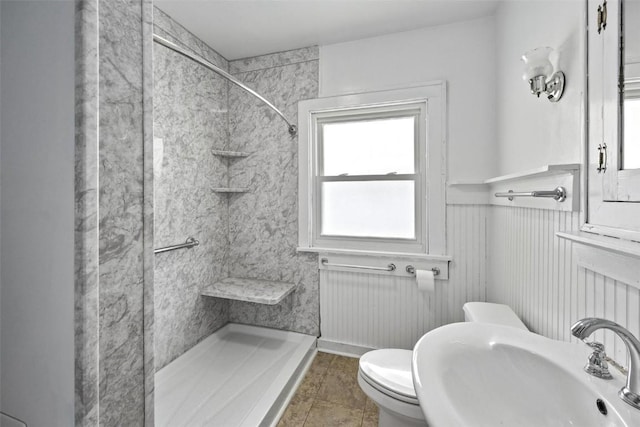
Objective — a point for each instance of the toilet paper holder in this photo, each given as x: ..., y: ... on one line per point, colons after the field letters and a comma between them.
x: 412, y: 270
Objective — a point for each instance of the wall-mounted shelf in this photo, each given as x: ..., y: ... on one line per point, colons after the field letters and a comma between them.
x: 547, y: 170
x: 230, y: 190
x: 611, y: 244
x: 463, y: 182
x: 545, y: 178
x: 251, y: 290
x: 466, y: 192
x: 612, y: 257
x: 230, y: 154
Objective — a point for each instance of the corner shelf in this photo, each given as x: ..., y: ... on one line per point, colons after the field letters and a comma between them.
x: 230, y: 190
x: 230, y: 154
x: 250, y: 290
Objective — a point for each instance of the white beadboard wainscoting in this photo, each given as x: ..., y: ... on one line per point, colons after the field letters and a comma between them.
x: 530, y: 269
x: 537, y: 274
x: 360, y: 311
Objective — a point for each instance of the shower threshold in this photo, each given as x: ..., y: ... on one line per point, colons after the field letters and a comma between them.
x: 239, y: 376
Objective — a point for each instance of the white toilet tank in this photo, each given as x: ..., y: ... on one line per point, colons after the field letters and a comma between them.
x: 487, y: 312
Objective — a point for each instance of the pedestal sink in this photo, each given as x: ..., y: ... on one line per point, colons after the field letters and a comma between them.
x: 477, y: 374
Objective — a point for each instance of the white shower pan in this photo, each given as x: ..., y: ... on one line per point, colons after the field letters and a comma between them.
x: 238, y: 376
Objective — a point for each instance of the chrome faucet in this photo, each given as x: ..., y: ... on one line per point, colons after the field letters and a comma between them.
x: 630, y: 393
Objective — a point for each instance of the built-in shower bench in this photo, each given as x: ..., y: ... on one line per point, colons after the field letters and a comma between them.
x: 252, y: 290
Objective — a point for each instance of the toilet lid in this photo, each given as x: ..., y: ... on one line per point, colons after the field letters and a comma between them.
x: 391, y: 370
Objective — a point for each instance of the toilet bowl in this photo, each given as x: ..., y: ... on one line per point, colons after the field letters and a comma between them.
x: 385, y: 375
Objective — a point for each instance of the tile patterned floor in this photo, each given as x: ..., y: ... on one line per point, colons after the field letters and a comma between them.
x: 329, y: 395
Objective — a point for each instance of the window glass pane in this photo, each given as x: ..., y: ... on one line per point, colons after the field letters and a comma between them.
x: 369, y: 147
x: 369, y: 209
x: 631, y: 141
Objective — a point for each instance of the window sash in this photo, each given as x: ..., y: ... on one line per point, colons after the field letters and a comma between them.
x: 369, y: 114
x: 370, y: 178
x: 417, y: 110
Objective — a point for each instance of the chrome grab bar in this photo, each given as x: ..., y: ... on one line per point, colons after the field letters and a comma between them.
x: 326, y: 263
x: 189, y: 243
x: 559, y: 194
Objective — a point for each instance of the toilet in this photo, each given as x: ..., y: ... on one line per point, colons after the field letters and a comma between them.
x: 385, y: 374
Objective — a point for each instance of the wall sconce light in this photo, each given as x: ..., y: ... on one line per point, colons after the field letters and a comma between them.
x: 538, y: 72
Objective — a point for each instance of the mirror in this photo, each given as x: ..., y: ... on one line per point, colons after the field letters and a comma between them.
x: 630, y: 85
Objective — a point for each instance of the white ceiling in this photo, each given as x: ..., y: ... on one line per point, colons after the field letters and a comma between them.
x: 245, y: 28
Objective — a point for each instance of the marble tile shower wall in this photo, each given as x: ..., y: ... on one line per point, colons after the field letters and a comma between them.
x: 114, y: 376
x: 263, y: 223
x: 121, y: 212
x: 86, y: 216
x: 190, y: 117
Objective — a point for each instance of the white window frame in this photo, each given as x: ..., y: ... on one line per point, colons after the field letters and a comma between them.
x: 429, y: 101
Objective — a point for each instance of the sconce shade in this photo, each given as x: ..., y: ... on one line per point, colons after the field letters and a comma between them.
x: 537, y: 63
x: 538, y: 72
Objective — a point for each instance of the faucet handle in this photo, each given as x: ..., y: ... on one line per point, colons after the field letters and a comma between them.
x: 597, y: 362
x: 596, y: 346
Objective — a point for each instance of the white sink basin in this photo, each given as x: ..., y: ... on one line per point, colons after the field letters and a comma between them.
x: 476, y: 374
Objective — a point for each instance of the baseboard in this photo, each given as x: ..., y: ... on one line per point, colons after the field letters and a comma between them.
x: 343, y: 349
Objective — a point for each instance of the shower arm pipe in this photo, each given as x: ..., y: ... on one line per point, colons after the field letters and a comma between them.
x: 293, y: 129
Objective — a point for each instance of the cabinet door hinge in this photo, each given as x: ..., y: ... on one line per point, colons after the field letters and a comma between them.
x: 602, y: 17
x: 602, y: 158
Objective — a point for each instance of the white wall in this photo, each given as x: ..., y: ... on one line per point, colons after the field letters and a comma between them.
x: 37, y: 216
x: 463, y: 54
x: 530, y: 268
x: 534, y: 132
